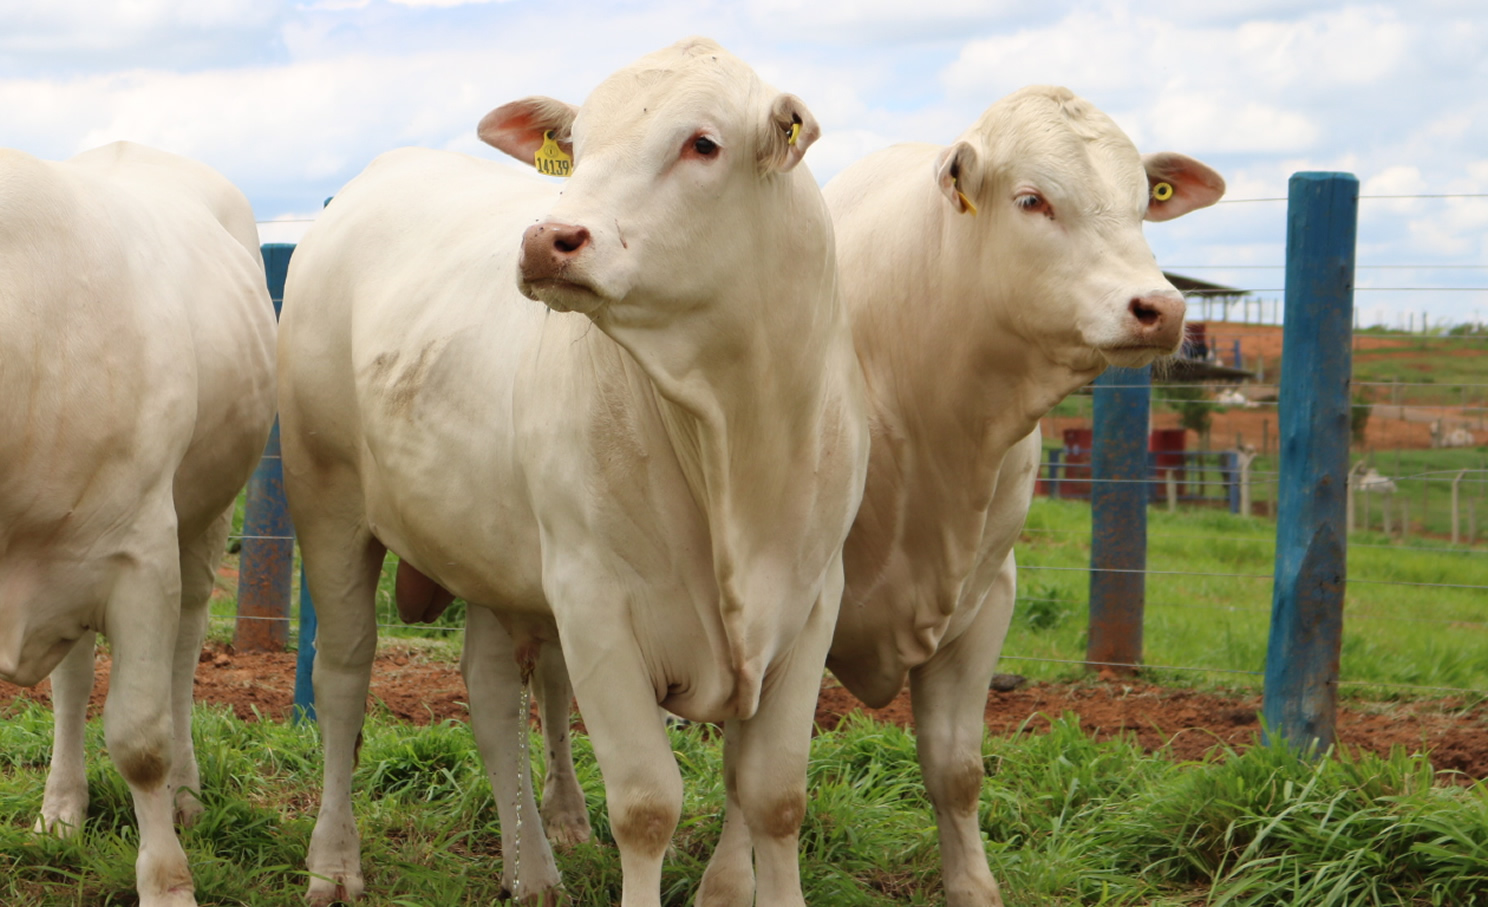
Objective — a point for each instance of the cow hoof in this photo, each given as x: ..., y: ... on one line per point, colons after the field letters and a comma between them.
x: 176, y: 897
x: 565, y: 830
x: 549, y: 897
x: 189, y: 812
x: 982, y: 892
x: 63, y: 825
x: 339, y: 889
x: 723, y: 888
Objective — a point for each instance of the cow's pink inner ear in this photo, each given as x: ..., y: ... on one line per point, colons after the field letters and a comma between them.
x: 1192, y: 185
x: 519, y: 128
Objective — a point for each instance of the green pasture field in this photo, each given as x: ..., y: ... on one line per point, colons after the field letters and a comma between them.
x: 1067, y: 821
x: 1408, y: 620
x: 1416, y: 610
x: 1433, y: 370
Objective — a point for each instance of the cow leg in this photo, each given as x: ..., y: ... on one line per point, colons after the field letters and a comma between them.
x: 949, y: 697
x: 494, y: 682
x: 729, y: 879
x: 770, y: 766
x: 199, y: 559
x: 342, y: 569
x: 65, y: 803
x: 565, y: 813
x: 141, y: 621
x: 642, y: 784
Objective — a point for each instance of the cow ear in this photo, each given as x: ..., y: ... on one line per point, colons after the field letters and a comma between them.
x: 959, y: 177
x: 789, y: 130
x: 519, y: 128
x: 1179, y: 184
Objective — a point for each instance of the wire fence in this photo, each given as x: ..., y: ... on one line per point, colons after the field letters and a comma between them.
x: 1419, y: 487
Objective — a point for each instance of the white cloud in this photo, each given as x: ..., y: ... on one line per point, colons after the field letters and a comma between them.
x: 292, y: 98
x: 87, y: 35
x: 1350, y: 47
x: 834, y: 21
x: 1397, y: 180
x: 1267, y: 86
x: 286, y: 228
x: 443, y: 4
x: 1197, y: 123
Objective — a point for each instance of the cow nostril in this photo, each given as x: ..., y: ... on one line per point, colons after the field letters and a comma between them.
x: 570, y: 241
x: 1145, y: 313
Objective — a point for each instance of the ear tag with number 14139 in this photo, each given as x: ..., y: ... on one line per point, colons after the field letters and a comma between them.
x: 551, y: 159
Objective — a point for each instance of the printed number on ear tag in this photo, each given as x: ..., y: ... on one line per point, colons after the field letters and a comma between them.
x: 1162, y: 191
x: 551, y: 159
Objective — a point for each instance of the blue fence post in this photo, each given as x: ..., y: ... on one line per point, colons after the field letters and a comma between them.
x: 304, y: 691
x: 1229, y: 462
x: 1118, y: 505
x: 266, y: 564
x: 1301, y: 695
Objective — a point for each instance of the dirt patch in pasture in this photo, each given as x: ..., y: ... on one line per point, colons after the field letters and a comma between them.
x: 1259, y: 426
x: 1187, y: 723
x: 1190, y: 724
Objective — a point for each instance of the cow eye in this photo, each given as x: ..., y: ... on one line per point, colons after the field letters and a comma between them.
x: 1033, y: 203
x: 704, y: 146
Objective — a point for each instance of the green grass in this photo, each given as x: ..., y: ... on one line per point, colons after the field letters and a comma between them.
x: 1433, y: 371
x: 1208, y: 598
x: 1423, y: 480
x: 1066, y: 821
x: 1209, y: 601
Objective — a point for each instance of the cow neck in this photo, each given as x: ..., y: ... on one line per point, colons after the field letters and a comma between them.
x: 765, y: 417
x: 952, y: 387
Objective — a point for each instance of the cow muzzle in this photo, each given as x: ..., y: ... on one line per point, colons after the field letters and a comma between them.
x: 1155, y: 320
x: 550, y: 266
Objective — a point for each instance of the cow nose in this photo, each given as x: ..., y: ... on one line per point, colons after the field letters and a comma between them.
x: 549, y: 247
x: 1158, y: 317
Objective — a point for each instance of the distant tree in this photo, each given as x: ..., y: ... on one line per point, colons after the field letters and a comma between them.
x: 1195, y: 409
x: 1359, y: 417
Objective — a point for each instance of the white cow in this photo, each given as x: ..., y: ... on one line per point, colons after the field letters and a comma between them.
x: 986, y: 281
x: 652, y: 453
x: 136, y: 360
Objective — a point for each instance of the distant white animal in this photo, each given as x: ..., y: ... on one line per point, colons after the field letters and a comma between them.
x: 1370, y: 480
x: 986, y: 280
x: 655, y: 463
x: 1457, y: 437
x: 1233, y: 397
x: 136, y: 361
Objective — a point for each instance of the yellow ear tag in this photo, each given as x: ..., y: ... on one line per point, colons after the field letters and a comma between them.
x: 1162, y: 191
x: 551, y: 159
x: 795, y: 133
x: 970, y: 208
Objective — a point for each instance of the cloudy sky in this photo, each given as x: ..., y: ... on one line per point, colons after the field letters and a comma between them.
x: 292, y: 99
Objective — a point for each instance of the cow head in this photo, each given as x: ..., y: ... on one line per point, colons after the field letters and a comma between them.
x: 675, y: 163
x: 1047, y: 197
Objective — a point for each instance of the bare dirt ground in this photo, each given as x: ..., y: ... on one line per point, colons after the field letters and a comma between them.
x: 1188, y: 724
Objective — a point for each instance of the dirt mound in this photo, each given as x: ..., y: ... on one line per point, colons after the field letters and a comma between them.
x: 1188, y: 723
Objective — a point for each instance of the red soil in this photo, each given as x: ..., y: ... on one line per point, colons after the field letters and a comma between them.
x: 1188, y: 724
